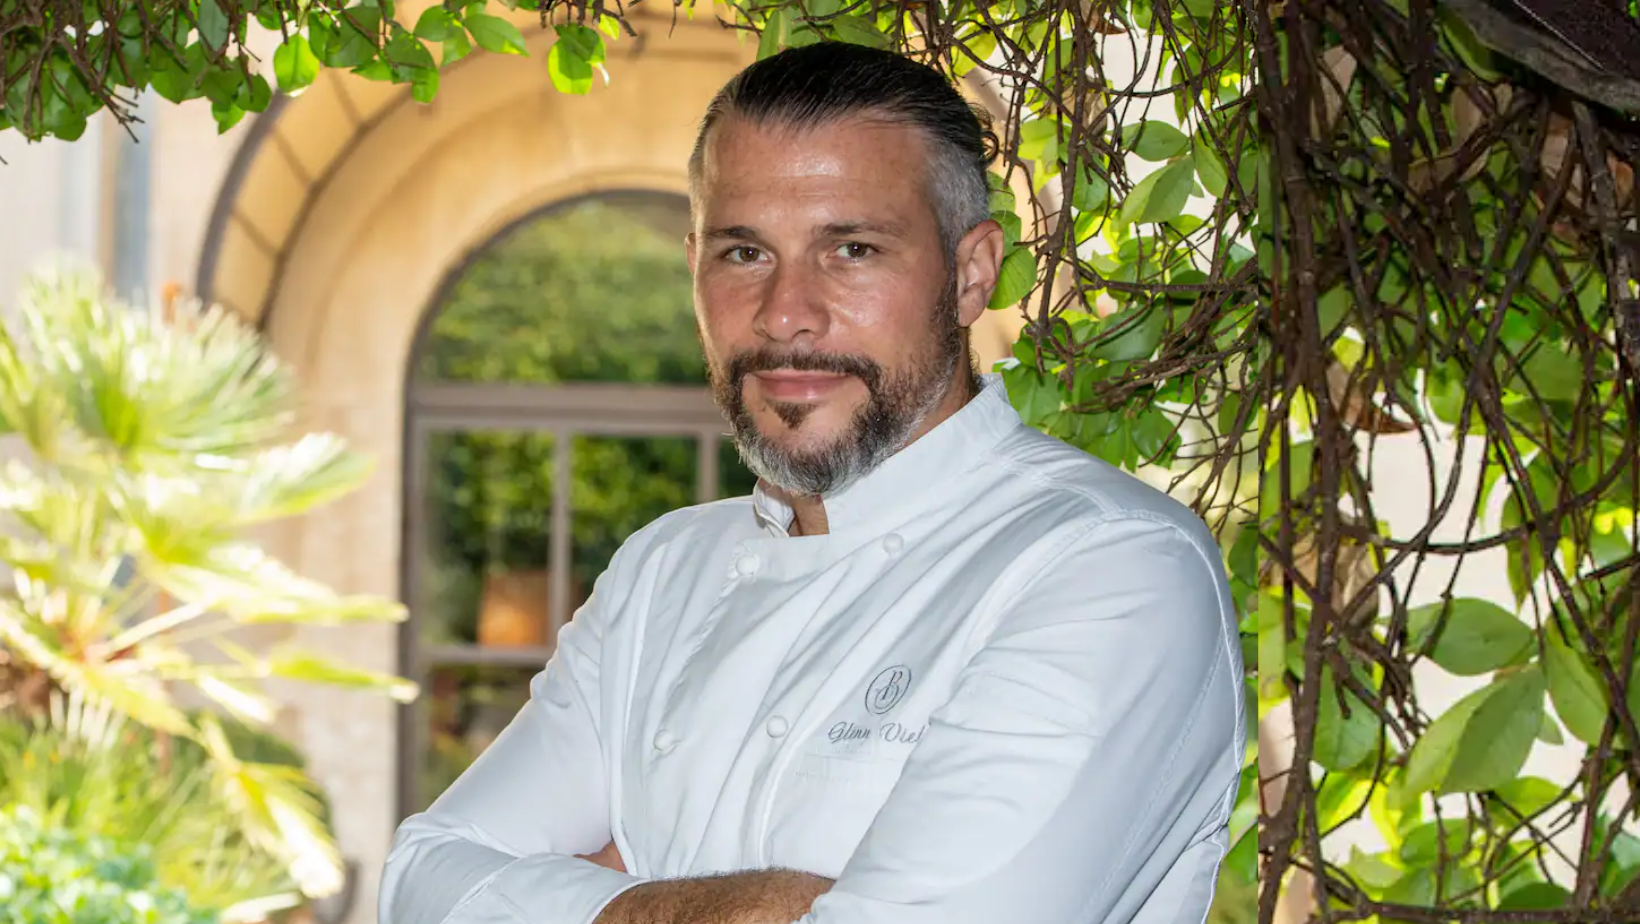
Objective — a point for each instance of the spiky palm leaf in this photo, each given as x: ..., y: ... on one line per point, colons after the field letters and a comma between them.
x: 153, y: 444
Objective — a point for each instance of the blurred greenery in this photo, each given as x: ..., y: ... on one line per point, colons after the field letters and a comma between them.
x: 594, y: 291
x: 147, y: 444
x: 87, y: 773
x: 50, y: 875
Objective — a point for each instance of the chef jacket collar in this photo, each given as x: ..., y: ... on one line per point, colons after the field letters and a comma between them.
x: 955, y: 444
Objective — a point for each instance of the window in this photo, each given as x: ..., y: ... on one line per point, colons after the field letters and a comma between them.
x: 557, y: 404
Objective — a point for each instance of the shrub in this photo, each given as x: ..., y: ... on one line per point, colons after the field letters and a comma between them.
x: 50, y: 876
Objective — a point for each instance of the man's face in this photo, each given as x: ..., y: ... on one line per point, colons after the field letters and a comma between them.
x: 828, y: 311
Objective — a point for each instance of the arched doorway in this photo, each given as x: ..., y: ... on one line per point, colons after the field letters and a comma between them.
x: 555, y: 403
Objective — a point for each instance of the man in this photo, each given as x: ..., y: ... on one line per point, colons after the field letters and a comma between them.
x: 939, y: 668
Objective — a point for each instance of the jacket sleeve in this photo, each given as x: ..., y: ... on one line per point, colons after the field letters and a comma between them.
x: 1087, y: 761
x: 498, y: 847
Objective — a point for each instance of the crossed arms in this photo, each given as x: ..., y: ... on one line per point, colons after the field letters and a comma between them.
x: 1084, y: 764
x: 773, y: 896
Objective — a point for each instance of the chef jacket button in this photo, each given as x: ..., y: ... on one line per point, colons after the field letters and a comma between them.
x: 777, y: 727
x: 665, y: 740
x: 892, y: 543
x: 746, y: 565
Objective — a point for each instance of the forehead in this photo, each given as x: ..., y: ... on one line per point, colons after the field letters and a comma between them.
x: 851, y: 164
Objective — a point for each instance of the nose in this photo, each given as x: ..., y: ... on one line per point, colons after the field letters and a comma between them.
x: 791, y: 310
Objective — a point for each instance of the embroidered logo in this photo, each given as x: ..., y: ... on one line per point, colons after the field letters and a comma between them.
x: 888, y: 689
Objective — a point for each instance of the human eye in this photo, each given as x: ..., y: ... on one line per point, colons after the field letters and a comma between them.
x: 855, y: 250
x: 742, y: 253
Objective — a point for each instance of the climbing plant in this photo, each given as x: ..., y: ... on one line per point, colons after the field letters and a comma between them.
x: 1448, y: 605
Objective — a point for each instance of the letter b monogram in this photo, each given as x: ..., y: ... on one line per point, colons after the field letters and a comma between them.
x: 888, y: 689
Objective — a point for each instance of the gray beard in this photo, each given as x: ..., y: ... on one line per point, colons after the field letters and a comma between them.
x: 894, y: 409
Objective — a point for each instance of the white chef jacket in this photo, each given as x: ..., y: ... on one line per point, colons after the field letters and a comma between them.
x: 1006, y: 688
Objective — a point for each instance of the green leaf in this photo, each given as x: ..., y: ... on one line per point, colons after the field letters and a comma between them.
x: 774, y: 33
x: 1215, y: 178
x: 295, y: 66
x: 1554, y: 373
x: 1039, y: 140
x: 406, y: 50
x: 1331, y: 309
x: 293, y: 665
x: 1015, y: 280
x: 1012, y: 228
x: 169, y: 77
x: 1536, y: 896
x: 573, y: 55
x: 1343, y: 743
x: 494, y: 34
x: 1091, y: 192
x: 1424, y: 844
x: 1036, y: 396
x: 456, y: 47
x: 859, y: 30
x: 227, y: 116
x: 1482, y: 741
x: 425, y: 86
x: 213, y: 24
x: 1343, y: 796
x: 435, y: 24
x: 1479, y: 636
x: 1242, y: 860
x: 1154, y: 141
x: 1499, y: 736
x: 1138, y: 331
x: 1549, y: 732
x: 1578, y: 696
x: 1161, y: 195
x: 585, y: 43
x: 1528, y: 795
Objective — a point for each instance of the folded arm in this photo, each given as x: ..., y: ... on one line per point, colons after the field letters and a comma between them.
x: 523, y: 837
x: 1086, y: 762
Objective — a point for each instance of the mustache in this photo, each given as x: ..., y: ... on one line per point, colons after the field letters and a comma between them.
x: 747, y: 362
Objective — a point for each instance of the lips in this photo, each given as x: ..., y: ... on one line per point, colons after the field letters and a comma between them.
x: 793, y: 386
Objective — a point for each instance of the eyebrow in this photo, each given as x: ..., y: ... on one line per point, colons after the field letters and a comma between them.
x: 835, y: 229
x: 734, y: 232
x: 850, y: 228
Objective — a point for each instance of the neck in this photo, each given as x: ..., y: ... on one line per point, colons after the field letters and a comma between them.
x: 809, y: 516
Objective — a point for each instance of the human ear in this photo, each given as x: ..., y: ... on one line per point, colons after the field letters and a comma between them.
x: 978, y: 263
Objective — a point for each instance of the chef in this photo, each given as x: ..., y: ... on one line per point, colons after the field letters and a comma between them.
x: 938, y: 669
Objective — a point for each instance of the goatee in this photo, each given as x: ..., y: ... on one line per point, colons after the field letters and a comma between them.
x: 896, y: 405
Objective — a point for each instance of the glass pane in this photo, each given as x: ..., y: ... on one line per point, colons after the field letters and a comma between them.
x: 621, y: 485
x: 463, y: 709
x: 596, y: 290
x: 482, y: 578
x: 734, y: 478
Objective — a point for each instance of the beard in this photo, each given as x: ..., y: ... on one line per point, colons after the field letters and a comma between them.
x: 896, y: 405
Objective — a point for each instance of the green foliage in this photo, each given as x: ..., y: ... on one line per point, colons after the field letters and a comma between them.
x: 150, y: 447
x: 1464, y: 310
x: 554, y: 278
x: 50, y: 876
x: 88, y: 773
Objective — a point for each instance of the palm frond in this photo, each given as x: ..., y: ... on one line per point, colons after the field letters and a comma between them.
x: 291, y: 664
x: 287, y: 480
x: 251, y: 586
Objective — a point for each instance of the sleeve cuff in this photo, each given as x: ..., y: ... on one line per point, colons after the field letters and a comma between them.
x: 543, y: 889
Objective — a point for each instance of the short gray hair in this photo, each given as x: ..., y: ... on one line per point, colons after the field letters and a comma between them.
x: 829, y: 81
